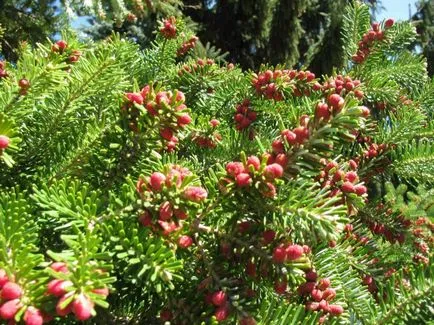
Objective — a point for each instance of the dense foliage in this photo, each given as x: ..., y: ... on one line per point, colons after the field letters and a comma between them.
x: 139, y: 187
x: 27, y: 21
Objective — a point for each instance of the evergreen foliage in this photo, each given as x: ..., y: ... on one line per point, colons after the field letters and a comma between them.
x: 145, y: 186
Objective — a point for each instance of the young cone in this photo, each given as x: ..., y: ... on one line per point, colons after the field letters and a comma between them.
x: 82, y: 307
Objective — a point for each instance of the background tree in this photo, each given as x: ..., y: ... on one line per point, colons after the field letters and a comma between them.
x: 253, y: 32
x: 425, y: 28
x: 321, y: 43
x: 273, y: 31
x: 34, y: 21
x: 30, y: 21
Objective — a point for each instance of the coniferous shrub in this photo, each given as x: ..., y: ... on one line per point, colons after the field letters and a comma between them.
x: 143, y: 187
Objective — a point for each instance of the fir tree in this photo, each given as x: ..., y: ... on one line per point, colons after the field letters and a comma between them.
x: 143, y: 187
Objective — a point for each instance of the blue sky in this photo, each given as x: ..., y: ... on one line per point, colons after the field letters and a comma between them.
x: 397, y: 9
